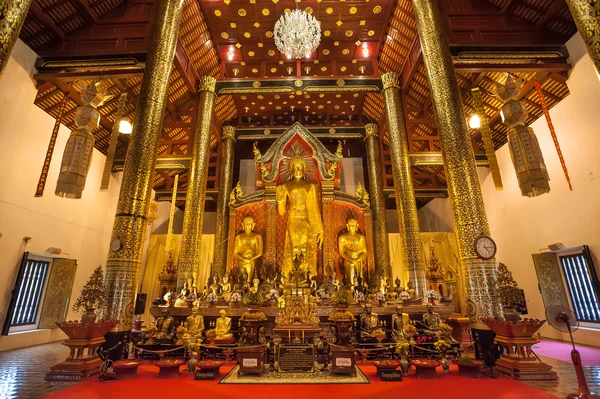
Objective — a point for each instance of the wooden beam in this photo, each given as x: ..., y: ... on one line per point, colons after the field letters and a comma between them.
x: 507, y: 6
x: 508, y: 67
x: 186, y: 69
x: 555, y: 7
x: 37, y: 11
x: 86, y: 12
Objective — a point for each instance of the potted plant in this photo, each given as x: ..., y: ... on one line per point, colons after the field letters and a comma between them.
x: 443, y: 347
x: 253, y: 299
x: 469, y: 367
x: 509, y: 293
x: 92, y: 297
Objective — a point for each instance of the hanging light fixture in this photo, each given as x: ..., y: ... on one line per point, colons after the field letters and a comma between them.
x: 125, y: 125
x: 474, y: 122
x: 297, y: 34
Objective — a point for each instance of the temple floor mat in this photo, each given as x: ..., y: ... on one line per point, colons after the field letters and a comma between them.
x: 447, y: 386
x: 323, y: 377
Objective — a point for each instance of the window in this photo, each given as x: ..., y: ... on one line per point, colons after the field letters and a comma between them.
x: 24, y: 308
x: 582, y: 284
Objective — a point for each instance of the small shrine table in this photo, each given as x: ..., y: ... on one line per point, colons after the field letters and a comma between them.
x: 169, y: 367
x: 426, y: 367
x: 469, y: 369
x: 126, y: 368
x: 385, y: 365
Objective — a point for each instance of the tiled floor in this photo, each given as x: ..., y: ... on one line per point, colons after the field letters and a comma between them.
x: 22, y: 374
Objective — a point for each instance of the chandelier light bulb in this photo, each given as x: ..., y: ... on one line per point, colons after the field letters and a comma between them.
x: 125, y: 125
x: 297, y: 34
x: 474, y: 122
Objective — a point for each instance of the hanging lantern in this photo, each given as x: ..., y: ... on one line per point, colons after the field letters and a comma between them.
x: 525, y: 150
x: 77, y: 157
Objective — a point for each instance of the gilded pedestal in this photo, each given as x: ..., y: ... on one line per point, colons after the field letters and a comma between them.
x: 406, y: 205
x: 125, y: 254
x: 470, y: 220
x: 193, y: 219
x: 225, y: 184
x: 12, y: 17
x: 586, y: 14
x: 380, y: 233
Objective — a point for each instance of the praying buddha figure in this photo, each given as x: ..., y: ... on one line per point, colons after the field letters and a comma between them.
x: 223, y: 326
x: 304, y: 232
x: 248, y: 247
x: 353, y: 249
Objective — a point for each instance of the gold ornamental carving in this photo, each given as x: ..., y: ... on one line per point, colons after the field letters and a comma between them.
x: 390, y: 79
x: 228, y: 133
x: 371, y: 130
x: 470, y: 220
x: 124, y: 260
x: 586, y: 14
x: 12, y: 17
x: 207, y: 83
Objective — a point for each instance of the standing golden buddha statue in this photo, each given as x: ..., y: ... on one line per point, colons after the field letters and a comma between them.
x: 248, y: 247
x: 353, y: 249
x: 304, y: 231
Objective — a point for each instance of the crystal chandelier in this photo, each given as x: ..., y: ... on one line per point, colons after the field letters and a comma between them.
x: 297, y: 34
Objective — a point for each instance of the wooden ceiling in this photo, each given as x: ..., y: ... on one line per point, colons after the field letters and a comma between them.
x: 232, y: 39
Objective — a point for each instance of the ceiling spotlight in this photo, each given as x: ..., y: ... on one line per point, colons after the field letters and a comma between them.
x: 474, y: 122
x: 230, y: 55
x: 125, y: 126
x: 365, y: 50
x: 502, y: 116
x: 362, y: 69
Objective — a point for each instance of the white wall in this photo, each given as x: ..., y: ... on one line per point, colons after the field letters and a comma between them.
x: 522, y: 226
x: 80, y: 228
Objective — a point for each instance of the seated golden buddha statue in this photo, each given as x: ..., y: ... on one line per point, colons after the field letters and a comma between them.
x: 401, y: 327
x: 195, y: 322
x: 247, y: 248
x: 164, y: 324
x: 223, y: 326
x: 227, y: 290
x: 353, y: 249
x: 432, y: 321
x: 369, y: 322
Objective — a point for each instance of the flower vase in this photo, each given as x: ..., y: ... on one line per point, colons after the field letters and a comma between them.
x: 192, y: 363
x: 89, y: 317
x: 404, y: 365
x: 445, y: 365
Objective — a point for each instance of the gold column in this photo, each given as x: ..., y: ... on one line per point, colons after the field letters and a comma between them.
x: 586, y: 14
x: 125, y: 254
x: 406, y: 205
x: 12, y: 17
x: 225, y: 184
x: 466, y: 199
x: 380, y: 232
x: 193, y: 219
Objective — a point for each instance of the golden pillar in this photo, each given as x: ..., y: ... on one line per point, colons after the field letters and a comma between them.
x: 193, y: 218
x: 12, y: 17
x: 125, y: 254
x: 470, y: 220
x: 406, y: 205
x: 225, y: 184
x: 586, y: 14
x: 380, y: 232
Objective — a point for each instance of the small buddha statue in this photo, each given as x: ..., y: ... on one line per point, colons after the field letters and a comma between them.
x: 248, y: 247
x: 369, y: 321
x: 195, y: 322
x: 398, y: 286
x: 255, y: 284
x: 432, y: 321
x: 164, y: 324
x: 223, y: 326
x: 215, y: 286
x: 410, y: 288
x: 353, y: 249
x: 360, y: 287
x: 400, y: 325
x: 226, y: 285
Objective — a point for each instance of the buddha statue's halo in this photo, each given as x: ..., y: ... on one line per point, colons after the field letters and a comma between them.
x: 298, y: 160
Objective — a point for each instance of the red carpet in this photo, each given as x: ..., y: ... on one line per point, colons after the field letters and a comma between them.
x: 448, y: 386
x: 562, y: 351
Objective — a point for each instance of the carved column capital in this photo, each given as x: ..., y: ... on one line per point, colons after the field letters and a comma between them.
x: 207, y: 83
x: 371, y: 130
x: 390, y: 79
x: 228, y: 132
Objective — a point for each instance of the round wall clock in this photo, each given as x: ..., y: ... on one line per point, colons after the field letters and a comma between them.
x: 485, y: 247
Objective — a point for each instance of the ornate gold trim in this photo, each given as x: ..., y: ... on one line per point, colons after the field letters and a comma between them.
x: 207, y: 83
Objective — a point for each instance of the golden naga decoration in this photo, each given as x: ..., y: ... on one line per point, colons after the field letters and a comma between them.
x: 235, y: 194
x: 362, y: 194
x: 248, y: 247
x: 304, y: 230
x: 256, y: 151
x: 339, y: 150
x: 77, y: 157
x: 353, y: 249
x: 523, y: 144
